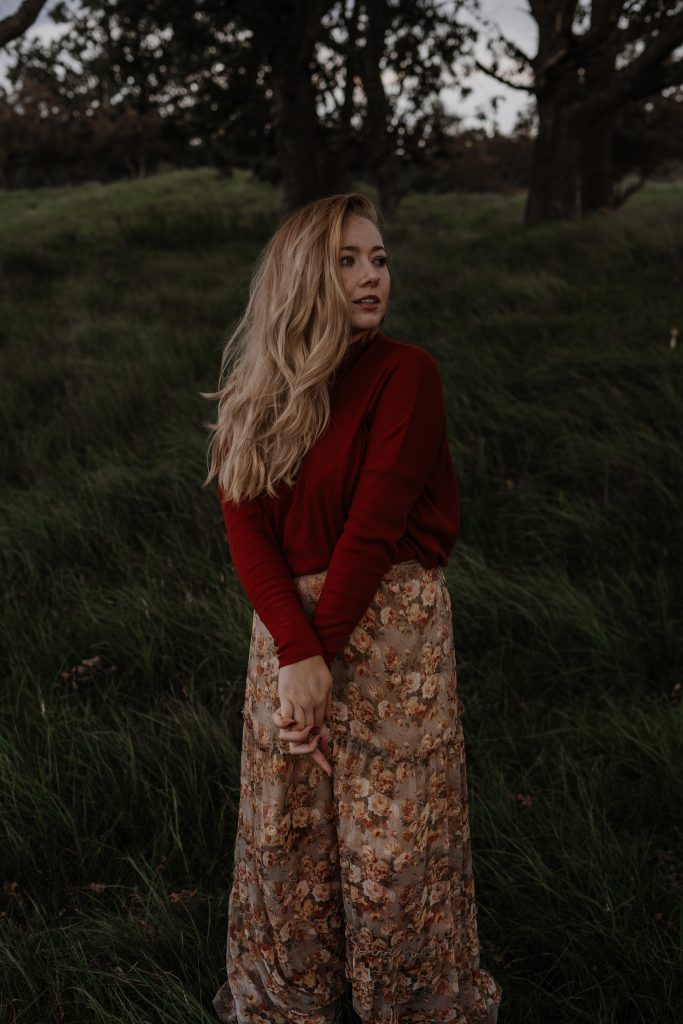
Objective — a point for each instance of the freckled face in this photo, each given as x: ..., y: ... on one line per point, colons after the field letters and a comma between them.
x: 364, y: 273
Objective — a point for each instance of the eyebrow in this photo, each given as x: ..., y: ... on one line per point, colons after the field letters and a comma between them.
x: 356, y: 248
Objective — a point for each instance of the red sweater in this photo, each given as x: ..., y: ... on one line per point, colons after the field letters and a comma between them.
x: 378, y: 487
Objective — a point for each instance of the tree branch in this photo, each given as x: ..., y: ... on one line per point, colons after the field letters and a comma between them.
x: 604, y: 27
x: 649, y: 82
x: 17, y: 23
x: 672, y: 73
x: 657, y: 79
x: 503, y: 81
x: 566, y: 12
x: 670, y: 36
x: 521, y: 56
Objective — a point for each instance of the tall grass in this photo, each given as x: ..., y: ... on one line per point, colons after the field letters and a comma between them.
x: 125, y: 630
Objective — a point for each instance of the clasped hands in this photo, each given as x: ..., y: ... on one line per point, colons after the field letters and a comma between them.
x: 305, y: 692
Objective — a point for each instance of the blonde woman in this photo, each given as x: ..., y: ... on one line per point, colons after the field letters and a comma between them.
x: 352, y: 861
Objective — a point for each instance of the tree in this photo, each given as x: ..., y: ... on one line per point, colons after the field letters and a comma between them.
x: 648, y: 141
x: 414, y: 45
x: 594, y: 58
x: 243, y: 80
x: 309, y: 94
x: 118, y: 95
x: 326, y: 67
x: 16, y: 24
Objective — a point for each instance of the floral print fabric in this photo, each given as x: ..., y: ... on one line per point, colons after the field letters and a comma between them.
x: 365, y: 875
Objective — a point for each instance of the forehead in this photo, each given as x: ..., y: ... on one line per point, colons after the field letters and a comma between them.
x: 359, y: 231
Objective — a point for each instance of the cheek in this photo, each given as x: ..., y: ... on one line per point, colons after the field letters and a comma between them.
x: 348, y: 284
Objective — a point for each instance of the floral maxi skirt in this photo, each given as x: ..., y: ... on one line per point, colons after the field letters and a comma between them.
x: 365, y: 876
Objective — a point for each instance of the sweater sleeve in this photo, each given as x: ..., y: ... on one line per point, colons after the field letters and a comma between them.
x: 403, y: 443
x: 266, y: 580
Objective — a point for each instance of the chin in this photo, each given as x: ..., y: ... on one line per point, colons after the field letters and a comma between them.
x: 368, y: 325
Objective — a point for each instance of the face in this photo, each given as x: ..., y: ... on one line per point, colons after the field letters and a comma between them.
x: 364, y: 272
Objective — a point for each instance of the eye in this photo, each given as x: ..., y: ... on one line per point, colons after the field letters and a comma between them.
x: 382, y: 260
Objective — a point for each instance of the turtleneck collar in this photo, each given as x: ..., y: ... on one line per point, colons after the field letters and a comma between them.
x: 354, y: 351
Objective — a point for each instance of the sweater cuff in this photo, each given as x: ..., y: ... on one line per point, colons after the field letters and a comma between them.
x: 298, y: 650
x: 290, y: 656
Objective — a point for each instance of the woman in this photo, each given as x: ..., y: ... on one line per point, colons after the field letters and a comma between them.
x: 352, y: 858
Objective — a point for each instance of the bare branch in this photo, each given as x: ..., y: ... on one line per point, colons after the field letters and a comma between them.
x: 645, y: 76
x: 654, y: 81
x: 566, y: 13
x: 604, y: 26
x: 503, y: 81
x: 516, y: 51
x: 670, y: 36
x: 17, y: 23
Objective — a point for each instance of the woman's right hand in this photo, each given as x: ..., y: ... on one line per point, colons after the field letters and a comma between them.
x: 305, y: 692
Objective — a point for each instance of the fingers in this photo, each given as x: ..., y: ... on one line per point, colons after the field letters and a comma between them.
x: 326, y: 732
x: 300, y: 739
x: 322, y: 762
x: 282, y: 720
x: 300, y: 743
x: 305, y: 747
x: 286, y: 707
x: 281, y: 717
x: 304, y: 716
x: 312, y: 748
x: 321, y: 753
x: 289, y: 730
x: 293, y: 733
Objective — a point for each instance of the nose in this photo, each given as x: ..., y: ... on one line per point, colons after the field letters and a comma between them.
x: 370, y: 273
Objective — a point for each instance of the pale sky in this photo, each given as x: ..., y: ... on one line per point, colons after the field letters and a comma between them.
x: 511, y: 15
x: 515, y: 22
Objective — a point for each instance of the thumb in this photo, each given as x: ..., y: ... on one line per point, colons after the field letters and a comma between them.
x: 286, y: 709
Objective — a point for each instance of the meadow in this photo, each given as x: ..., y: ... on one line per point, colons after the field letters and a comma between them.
x: 125, y: 631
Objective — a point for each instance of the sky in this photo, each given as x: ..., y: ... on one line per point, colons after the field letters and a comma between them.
x: 511, y: 15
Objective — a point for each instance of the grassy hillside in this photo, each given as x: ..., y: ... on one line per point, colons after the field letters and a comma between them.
x: 126, y: 631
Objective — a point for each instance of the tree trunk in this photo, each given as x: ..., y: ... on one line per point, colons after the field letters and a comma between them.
x: 553, y: 186
x: 299, y: 142
x: 308, y: 171
x: 596, y: 166
x: 377, y: 141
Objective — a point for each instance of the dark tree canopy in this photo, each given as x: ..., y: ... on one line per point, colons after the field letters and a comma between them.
x: 314, y: 96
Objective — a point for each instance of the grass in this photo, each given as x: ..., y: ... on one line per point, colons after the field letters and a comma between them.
x: 125, y: 630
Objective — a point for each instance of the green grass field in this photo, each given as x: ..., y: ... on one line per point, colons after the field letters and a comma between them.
x: 126, y: 632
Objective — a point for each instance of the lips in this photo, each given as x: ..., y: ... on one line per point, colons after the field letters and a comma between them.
x: 361, y: 302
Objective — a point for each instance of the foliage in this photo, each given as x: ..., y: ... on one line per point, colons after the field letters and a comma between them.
x: 125, y: 92
x: 118, y: 96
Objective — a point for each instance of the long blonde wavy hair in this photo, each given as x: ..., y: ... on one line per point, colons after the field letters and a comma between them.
x: 273, y: 396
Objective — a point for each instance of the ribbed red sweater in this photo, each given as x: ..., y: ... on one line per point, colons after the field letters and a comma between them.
x: 378, y: 487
